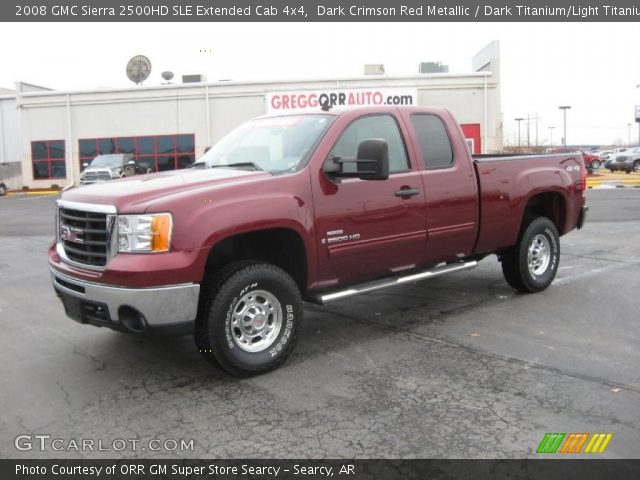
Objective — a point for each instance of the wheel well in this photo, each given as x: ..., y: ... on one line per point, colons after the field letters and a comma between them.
x: 282, y: 247
x: 551, y: 205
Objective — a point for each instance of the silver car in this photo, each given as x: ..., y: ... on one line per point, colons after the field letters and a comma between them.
x: 105, y: 167
x: 627, y: 161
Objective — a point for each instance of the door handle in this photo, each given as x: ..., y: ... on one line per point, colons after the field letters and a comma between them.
x: 407, y: 192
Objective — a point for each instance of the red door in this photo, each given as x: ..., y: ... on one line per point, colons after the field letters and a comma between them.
x: 368, y: 228
x: 472, y: 136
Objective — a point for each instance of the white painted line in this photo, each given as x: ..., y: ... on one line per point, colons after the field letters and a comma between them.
x: 35, y: 197
x: 590, y: 273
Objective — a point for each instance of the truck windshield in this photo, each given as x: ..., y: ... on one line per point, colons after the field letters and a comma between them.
x: 275, y: 144
x: 110, y: 161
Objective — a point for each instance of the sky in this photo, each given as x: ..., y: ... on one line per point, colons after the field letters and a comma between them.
x: 594, y: 67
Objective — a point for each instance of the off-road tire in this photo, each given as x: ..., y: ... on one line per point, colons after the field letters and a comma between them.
x: 216, y: 335
x: 516, y: 260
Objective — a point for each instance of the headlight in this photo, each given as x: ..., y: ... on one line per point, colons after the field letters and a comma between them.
x: 144, y: 233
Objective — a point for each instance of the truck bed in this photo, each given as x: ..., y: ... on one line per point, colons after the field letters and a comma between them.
x: 503, y: 178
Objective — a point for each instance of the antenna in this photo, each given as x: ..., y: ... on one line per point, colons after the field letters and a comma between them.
x: 167, y: 76
x: 138, y: 69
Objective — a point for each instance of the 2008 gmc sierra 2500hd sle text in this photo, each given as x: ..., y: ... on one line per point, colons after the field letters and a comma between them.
x: 316, y: 206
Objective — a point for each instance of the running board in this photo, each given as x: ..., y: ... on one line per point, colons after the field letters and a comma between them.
x: 325, y: 298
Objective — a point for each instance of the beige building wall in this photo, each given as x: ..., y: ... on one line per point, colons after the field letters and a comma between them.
x: 210, y: 111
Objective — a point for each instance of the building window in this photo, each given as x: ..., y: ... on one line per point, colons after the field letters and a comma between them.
x: 156, y: 153
x: 48, y: 158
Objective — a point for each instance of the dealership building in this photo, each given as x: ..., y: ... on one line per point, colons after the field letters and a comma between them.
x: 47, y: 135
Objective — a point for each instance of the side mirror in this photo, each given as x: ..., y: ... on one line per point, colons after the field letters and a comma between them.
x: 85, y: 165
x: 372, y: 162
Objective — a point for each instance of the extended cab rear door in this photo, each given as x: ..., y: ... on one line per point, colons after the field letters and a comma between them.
x: 449, y: 182
x: 367, y: 228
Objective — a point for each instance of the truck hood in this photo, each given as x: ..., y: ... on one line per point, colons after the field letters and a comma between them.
x: 132, y: 193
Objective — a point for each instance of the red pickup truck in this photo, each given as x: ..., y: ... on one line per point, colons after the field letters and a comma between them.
x: 307, y: 207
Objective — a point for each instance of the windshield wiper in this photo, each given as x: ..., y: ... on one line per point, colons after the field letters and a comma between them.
x: 240, y: 164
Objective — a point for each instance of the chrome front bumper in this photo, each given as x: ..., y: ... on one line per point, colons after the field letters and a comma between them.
x: 170, y: 309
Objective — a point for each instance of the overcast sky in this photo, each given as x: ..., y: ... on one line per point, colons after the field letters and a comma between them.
x: 592, y: 67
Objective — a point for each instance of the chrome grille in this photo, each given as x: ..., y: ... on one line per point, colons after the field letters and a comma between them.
x: 83, y: 236
x: 96, y: 176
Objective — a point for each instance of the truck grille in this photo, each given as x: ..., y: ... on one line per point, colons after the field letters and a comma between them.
x: 96, y: 176
x: 84, y: 236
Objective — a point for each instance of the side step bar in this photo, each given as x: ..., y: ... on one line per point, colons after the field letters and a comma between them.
x: 325, y: 298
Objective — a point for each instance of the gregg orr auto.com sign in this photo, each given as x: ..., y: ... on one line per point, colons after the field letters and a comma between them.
x: 281, y: 102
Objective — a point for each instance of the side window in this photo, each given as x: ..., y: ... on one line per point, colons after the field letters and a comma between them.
x: 366, y: 128
x: 434, y: 141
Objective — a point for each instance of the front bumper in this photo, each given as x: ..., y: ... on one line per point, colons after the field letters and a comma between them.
x: 160, y: 310
x: 619, y: 166
x: 91, y: 182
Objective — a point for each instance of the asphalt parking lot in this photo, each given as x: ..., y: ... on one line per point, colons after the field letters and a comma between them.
x: 458, y: 366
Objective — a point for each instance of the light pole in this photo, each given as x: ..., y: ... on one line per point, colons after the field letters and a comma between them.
x: 519, y: 120
x: 564, y: 109
x: 551, y: 135
x: 629, y: 134
x: 638, y: 118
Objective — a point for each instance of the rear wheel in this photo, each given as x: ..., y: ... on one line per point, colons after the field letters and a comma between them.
x: 3, y: 189
x: 595, y: 165
x: 249, y: 318
x: 531, y: 265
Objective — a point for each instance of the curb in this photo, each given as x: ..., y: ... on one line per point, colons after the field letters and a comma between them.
x: 632, y: 183
x: 40, y: 192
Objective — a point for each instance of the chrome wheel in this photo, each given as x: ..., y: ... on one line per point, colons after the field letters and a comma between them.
x: 595, y: 165
x: 636, y: 167
x: 256, y: 321
x: 539, y: 255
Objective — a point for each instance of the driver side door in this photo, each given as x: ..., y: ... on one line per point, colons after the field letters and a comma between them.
x: 369, y: 228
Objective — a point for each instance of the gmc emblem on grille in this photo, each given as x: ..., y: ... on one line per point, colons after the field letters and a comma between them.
x: 71, y: 234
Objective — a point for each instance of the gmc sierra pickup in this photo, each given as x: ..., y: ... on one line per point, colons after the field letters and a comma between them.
x: 315, y: 207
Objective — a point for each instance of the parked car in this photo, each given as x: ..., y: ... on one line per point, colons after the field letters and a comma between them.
x: 108, y: 167
x: 3, y: 189
x: 317, y: 206
x: 627, y: 161
x: 609, y: 157
x: 591, y: 161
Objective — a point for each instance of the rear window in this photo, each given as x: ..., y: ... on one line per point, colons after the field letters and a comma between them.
x: 434, y: 141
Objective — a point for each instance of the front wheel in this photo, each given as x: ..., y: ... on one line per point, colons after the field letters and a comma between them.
x: 595, y: 165
x: 249, y: 318
x: 3, y: 189
x: 531, y: 265
x: 636, y: 166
